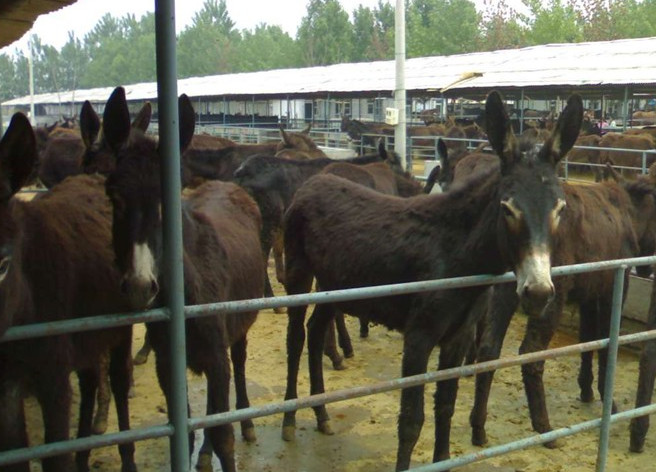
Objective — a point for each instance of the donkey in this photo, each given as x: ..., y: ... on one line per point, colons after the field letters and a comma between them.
x: 606, y: 217
x: 349, y: 236
x: 56, y: 264
x: 222, y: 261
x: 272, y: 181
x: 298, y: 145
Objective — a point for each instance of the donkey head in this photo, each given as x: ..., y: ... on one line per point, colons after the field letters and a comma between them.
x: 98, y: 156
x: 531, y: 198
x: 18, y: 155
x: 135, y: 192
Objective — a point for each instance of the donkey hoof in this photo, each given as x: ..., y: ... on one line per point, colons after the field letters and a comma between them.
x: 479, y: 437
x: 99, y: 426
x: 140, y: 359
x: 587, y: 396
x: 637, y: 444
x: 339, y: 365
x: 249, y: 434
x: 555, y: 444
x: 204, y: 463
x: 288, y: 433
x: 349, y: 354
x: 325, y: 428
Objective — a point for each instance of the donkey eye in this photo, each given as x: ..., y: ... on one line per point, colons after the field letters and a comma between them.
x: 509, y: 210
x: 4, y: 266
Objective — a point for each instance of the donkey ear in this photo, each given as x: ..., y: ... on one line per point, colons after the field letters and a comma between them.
x: 568, y: 127
x: 116, y: 120
x: 497, y: 126
x: 382, y: 150
x: 17, y: 155
x: 442, y: 150
x: 285, y: 137
x: 89, y: 124
x: 187, y: 121
x: 142, y: 120
x: 306, y: 130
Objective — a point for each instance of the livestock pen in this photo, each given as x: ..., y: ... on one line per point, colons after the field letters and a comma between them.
x: 175, y: 313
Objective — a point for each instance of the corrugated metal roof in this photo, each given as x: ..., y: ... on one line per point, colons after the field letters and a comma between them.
x: 605, y: 63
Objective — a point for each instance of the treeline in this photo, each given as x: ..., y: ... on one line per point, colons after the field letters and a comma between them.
x: 122, y: 50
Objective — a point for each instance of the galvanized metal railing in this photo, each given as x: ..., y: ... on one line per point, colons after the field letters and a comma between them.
x: 99, y: 322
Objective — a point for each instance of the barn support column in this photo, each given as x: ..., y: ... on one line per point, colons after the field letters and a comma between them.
x: 225, y: 110
x: 253, y: 112
x: 399, y: 89
x: 625, y: 108
x: 521, y: 112
x: 326, y: 111
x: 169, y: 139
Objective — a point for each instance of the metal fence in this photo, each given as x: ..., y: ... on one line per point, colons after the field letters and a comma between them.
x: 104, y: 321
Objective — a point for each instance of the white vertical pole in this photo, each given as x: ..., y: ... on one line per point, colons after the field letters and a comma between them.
x: 30, y: 66
x: 399, y: 91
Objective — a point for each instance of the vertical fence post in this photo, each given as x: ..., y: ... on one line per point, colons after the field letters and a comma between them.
x: 169, y: 144
x: 613, y: 344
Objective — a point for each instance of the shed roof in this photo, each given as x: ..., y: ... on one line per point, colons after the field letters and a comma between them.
x: 17, y: 16
x: 606, y: 65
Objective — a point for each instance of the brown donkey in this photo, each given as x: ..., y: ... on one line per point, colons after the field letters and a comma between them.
x: 349, y: 236
x: 57, y: 264
x: 222, y: 261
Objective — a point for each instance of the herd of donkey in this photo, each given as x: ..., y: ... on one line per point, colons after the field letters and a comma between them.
x: 91, y: 245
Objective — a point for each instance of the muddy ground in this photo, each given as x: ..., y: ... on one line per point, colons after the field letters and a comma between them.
x: 365, y: 429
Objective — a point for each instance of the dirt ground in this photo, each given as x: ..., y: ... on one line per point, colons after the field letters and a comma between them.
x: 365, y: 429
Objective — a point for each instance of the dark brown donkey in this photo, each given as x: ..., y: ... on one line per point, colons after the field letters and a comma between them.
x: 56, y: 264
x: 349, y: 236
x: 222, y: 261
x: 272, y: 181
x: 600, y: 222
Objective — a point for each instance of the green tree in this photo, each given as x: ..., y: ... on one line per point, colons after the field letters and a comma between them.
x: 502, y: 27
x: 211, y: 44
x: 553, y: 22
x: 439, y: 27
x: 13, y: 80
x: 373, y: 33
x: 267, y: 47
x: 121, y: 51
x: 325, y: 35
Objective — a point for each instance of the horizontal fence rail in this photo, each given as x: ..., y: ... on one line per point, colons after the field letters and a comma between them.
x: 106, y: 321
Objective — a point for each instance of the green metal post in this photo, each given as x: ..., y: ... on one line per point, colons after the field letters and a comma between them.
x: 169, y: 143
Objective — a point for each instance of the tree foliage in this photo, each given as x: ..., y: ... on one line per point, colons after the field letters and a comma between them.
x: 122, y: 50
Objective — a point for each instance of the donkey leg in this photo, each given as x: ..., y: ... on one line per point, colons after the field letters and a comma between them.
x: 451, y: 355
x: 318, y: 324
x: 120, y: 369
x: 298, y: 280
x: 364, y: 328
x: 142, y: 355
x: 218, y: 390
x: 604, y: 309
x: 103, y: 396
x: 13, y: 434
x: 647, y: 374
x: 417, y: 347
x: 158, y: 337
x: 539, y: 332
x: 54, y: 395
x: 502, y: 307
x: 88, y: 382
x: 330, y: 347
x: 343, y: 335
x: 238, y: 356
x: 588, y: 331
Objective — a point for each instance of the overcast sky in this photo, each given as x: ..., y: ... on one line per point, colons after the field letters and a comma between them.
x: 83, y: 15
